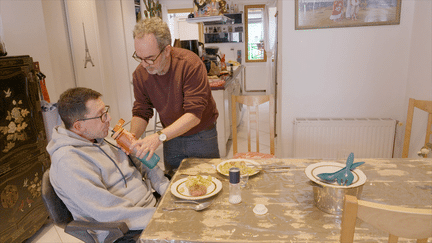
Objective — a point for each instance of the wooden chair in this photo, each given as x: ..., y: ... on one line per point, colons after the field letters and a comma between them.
x: 253, y: 117
x: 397, y: 221
x: 425, y: 105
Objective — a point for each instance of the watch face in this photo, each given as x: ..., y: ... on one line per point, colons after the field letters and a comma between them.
x: 162, y: 137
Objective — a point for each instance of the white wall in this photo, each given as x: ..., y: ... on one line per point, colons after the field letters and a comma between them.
x: 57, y: 36
x: 351, y: 72
x: 25, y: 33
x: 39, y: 29
x: 115, y: 28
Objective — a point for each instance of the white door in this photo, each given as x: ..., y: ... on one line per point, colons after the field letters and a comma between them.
x: 259, y: 49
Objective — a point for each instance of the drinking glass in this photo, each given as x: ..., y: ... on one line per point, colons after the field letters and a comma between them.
x: 244, y: 177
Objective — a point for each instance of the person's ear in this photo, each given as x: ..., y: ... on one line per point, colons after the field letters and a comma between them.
x: 78, y: 127
x: 168, y: 49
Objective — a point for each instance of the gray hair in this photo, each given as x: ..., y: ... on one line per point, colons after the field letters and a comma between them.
x: 154, y: 26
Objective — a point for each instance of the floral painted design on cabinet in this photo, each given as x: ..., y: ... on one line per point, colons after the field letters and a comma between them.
x: 15, y: 129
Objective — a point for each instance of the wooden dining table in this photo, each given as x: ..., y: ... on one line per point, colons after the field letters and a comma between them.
x: 288, y: 195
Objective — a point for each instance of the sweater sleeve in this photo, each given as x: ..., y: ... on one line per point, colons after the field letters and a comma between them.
x: 142, y: 106
x: 80, y: 186
x: 196, y: 88
x: 156, y: 176
x: 158, y: 180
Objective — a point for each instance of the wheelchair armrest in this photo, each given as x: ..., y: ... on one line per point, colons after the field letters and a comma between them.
x: 79, y: 230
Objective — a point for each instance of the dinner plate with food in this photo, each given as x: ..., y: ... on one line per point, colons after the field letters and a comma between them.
x: 196, y: 187
x: 245, y: 165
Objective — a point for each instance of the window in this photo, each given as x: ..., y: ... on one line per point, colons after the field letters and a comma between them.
x: 255, y: 35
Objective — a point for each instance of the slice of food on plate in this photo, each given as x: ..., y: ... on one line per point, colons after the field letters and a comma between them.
x: 197, y: 185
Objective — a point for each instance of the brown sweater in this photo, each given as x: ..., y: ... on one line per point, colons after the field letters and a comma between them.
x: 183, y: 89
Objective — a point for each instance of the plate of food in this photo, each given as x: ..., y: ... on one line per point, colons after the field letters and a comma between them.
x: 313, y: 170
x: 244, y: 165
x: 196, y: 187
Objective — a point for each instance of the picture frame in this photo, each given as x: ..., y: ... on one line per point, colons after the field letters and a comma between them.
x: 318, y: 14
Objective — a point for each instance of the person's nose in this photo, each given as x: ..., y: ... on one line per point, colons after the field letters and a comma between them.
x: 144, y: 64
x: 108, y: 117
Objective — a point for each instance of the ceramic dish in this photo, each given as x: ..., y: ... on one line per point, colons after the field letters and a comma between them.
x: 329, y: 167
x: 180, y: 190
x: 248, y: 162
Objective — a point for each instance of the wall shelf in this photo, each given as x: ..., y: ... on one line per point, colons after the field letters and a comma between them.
x: 218, y: 19
x: 231, y: 32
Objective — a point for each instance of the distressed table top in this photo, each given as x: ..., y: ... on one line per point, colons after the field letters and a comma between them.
x: 292, y: 215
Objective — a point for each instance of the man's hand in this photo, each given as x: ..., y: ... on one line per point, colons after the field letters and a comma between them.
x: 148, y: 144
x: 151, y: 143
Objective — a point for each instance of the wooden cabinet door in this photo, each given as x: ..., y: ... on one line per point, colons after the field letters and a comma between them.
x: 23, y: 155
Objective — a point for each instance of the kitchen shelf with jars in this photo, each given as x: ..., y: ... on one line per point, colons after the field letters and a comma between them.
x: 229, y: 32
x: 223, y: 22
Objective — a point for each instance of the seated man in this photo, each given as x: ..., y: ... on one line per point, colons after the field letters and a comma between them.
x: 95, y: 179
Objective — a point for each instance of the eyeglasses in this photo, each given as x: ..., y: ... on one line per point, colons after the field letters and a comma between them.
x: 102, y: 117
x: 147, y: 60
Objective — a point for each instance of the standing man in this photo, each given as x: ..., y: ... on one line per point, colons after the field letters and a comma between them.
x: 174, y: 82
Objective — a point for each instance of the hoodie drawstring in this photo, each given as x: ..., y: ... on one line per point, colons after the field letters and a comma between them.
x: 124, y: 178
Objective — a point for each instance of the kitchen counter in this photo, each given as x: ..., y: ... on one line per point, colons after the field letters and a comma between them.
x: 236, y: 71
x: 222, y: 97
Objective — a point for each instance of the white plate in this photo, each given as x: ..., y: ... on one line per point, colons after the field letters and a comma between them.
x: 180, y: 185
x: 329, y: 167
x: 247, y: 161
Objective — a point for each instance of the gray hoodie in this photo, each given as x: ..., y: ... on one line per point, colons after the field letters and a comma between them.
x: 97, y: 182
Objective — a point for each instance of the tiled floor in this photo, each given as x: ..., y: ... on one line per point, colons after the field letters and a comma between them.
x: 52, y: 233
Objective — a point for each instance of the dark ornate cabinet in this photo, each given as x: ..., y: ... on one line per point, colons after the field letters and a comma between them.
x: 23, y: 157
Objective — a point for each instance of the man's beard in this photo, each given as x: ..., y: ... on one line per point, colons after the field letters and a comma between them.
x: 159, y: 71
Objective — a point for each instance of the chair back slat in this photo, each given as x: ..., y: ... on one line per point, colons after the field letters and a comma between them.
x: 252, y: 103
x: 425, y: 105
x: 397, y: 221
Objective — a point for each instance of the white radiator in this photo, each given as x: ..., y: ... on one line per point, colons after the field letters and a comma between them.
x: 326, y: 138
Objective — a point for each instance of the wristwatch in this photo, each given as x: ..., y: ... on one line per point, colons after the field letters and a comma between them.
x: 162, y: 136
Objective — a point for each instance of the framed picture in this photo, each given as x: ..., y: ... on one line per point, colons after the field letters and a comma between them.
x: 317, y: 14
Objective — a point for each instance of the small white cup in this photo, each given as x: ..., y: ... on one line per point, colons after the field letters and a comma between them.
x: 260, y: 209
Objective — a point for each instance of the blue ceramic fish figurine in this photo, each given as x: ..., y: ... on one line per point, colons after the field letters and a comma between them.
x: 340, y: 174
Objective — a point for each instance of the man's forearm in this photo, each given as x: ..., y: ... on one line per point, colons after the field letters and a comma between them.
x: 151, y: 143
x: 138, y: 126
x: 181, y: 126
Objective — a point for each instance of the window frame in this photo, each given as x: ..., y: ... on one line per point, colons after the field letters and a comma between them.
x: 246, y: 13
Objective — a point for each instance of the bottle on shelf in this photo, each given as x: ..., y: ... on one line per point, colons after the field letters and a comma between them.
x: 223, y: 63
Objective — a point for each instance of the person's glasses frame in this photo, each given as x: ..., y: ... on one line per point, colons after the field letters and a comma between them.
x: 102, y: 117
x: 147, y: 60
